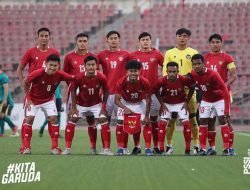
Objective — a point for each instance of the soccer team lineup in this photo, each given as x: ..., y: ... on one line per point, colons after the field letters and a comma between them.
x: 149, y: 93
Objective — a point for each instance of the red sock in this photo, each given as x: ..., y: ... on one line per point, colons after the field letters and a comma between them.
x: 162, y: 134
x: 187, y: 133
x: 231, y: 139
x: 27, y: 130
x: 137, y: 139
x: 211, y: 138
x: 225, y: 133
x: 119, y: 135
x: 147, y: 134
x: 105, y: 134
x: 69, y: 134
x: 155, y: 130
x: 22, y: 134
x: 54, y: 133
x: 203, y: 133
x: 92, y: 131
x: 125, y: 139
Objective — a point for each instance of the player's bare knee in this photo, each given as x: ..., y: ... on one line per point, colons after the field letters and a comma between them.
x: 120, y: 122
x: 53, y: 119
x: 74, y: 119
x: 204, y: 121
x: 102, y: 120
x: 222, y: 120
x: 29, y: 120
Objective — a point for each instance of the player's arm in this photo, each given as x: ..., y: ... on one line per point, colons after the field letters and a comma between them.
x: 20, y: 69
x: 232, y: 73
x: 157, y: 87
x: 73, y: 111
x: 148, y: 105
x: 5, y: 93
x: 105, y: 96
x: 166, y: 60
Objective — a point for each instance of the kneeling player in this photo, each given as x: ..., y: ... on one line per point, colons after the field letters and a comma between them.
x: 89, y: 102
x: 40, y: 87
x: 133, y: 96
x: 214, y: 97
x: 173, y: 100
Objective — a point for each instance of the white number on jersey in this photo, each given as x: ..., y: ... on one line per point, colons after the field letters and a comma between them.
x: 49, y: 87
x: 91, y: 91
x: 113, y: 64
x: 214, y: 67
x: 203, y: 87
x: 134, y: 95
x: 82, y: 68
x: 173, y: 92
x: 145, y: 66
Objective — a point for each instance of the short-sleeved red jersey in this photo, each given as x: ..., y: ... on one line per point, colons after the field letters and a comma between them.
x: 74, y: 63
x: 150, y: 62
x: 36, y: 58
x: 133, y: 92
x: 89, y: 88
x: 211, y: 85
x: 43, y: 86
x: 219, y: 62
x: 173, y: 92
x: 113, y: 66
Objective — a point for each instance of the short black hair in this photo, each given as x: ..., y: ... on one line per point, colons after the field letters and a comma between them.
x: 172, y: 64
x: 183, y: 31
x: 133, y: 64
x: 82, y: 35
x: 43, y: 29
x: 197, y: 56
x: 216, y: 36
x: 53, y: 57
x: 90, y: 58
x: 113, y: 32
x: 144, y: 34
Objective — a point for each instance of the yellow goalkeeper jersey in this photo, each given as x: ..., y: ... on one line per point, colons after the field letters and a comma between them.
x: 182, y: 57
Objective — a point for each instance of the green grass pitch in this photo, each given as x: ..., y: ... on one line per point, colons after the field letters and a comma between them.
x: 83, y: 171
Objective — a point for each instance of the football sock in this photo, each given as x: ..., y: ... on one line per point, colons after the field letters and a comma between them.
x: 162, y: 134
x: 203, y: 131
x: 147, y: 134
x: 155, y: 129
x: 105, y: 134
x: 187, y: 134
x: 119, y: 135
x: 195, y: 129
x: 225, y: 133
x: 69, y: 133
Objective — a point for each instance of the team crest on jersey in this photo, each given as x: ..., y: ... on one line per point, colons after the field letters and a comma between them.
x: 152, y: 59
x: 220, y: 62
x: 127, y: 91
x: 97, y: 86
x: 36, y: 58
x: 207, y: 84
x: 84, y: 86
x: 167, y: 89
x: 42, y: 82
x: 179, y: 89
x: 75, y: 62
x: 120, y: 58
x: 188, y: 56
x: 106, y: 58
x: 138, y: 60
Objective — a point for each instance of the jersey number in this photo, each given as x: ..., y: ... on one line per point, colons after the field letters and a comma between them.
x: 145, y: 66
x: 214, y: 67
x: 203, y: 87
x: 91, y: 91
x: 134, y: 95
x: 113, y: 64
x: 173, y: 92
x: 48, y: 87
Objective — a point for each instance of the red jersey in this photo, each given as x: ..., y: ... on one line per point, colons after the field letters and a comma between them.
x: 36, y: 58
x: 211, y: 85
x: 219, y: 62
x: 43, y: 86
x: 150, y: 61
x: 133, y: 92
x: 173, y: 92
x: 74, y: 63
x: 113, y: 66
x: 90, y: 88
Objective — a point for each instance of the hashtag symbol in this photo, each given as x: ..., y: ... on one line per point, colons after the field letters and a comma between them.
x: 10, y: 168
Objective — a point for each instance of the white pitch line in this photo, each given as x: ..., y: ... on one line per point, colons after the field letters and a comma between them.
x: 244, y: 134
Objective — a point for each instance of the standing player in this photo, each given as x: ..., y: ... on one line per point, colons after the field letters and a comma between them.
x: 73, y: 64
x: 113, y: 63
x: 35, y: 58
x: 182, y: 55
x: 6, y: 105
x: 133, y: 95
x: 40, y: 87
x: 223, y: 63
x: 150, y: 59
x: 214, y: 98
x: 89, y: 102
x: 174, y: 99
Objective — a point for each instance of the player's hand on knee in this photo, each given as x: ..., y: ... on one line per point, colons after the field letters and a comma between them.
x: 73, y: 112
x: 163, y: 109
x: 146, y: 120
x: 103, y: 113
x: 28, y: 103
x: 185, y: 106
x: 127, y: 111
